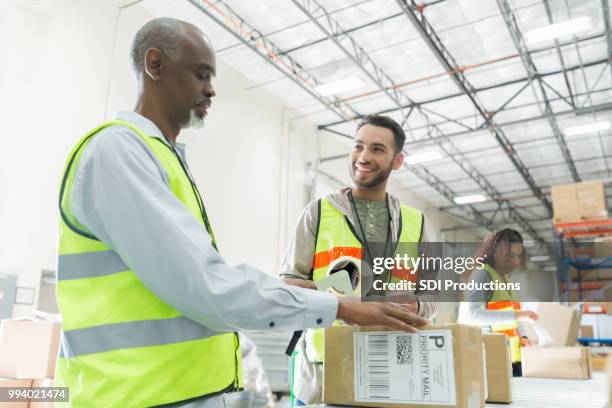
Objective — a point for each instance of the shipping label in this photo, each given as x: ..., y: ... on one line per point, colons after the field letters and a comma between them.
x: 398, y: 367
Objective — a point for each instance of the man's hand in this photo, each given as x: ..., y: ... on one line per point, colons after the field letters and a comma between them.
x: 391, y: 315
x: 302, y: 283
x: 526, y: 316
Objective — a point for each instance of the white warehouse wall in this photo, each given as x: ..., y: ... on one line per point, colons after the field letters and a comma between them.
x: 67, y: 70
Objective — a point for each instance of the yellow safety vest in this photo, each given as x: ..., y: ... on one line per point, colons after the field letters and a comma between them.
x: 122, y: 346
x: 336, y: 238
x: 505, y: 300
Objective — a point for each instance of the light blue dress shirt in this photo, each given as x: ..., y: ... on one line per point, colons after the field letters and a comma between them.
x: 121, y: 194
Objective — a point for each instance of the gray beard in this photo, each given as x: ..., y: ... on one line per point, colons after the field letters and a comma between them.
x: 195, y: 121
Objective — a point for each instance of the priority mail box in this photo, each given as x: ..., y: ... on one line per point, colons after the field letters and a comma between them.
x: 439, y: 366
x: 557, y: 362
x: 28, y: 348
x: 499, y: 367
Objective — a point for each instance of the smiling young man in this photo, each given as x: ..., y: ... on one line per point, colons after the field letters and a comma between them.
x: 360, y: 222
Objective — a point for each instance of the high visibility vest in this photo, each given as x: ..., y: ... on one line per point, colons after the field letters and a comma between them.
x: 505, y: 300
x: 336, y: 238
x: 121, y: 345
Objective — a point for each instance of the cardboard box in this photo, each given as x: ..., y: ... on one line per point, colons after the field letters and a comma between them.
x: 559, y: 322
x: 28, y: 349
x: 586, y: 332
x: 557, y: 362
x: 592, y: 200
x: 499, y: 367
x: 15, y: 382
x: 599, y: 362
x: 441, y: 364
x: 565, y: 203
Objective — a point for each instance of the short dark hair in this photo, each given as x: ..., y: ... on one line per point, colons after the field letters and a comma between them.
x: 384, y: 121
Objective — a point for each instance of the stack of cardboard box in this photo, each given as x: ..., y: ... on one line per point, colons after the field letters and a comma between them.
x: 28, y: 352
x: 579, y: 202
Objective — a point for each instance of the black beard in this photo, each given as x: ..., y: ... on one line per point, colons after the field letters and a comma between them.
x: 381, y: 177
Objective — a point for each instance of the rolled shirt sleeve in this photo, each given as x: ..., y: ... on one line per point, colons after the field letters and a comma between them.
x: 121, y: 194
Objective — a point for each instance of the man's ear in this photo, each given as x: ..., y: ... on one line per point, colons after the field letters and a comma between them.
x: 398, y: 161
x: 153, y: 64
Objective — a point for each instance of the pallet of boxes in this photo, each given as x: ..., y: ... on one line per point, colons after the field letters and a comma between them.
x: 28, y: 353
x: 442, y: 365
x: 579, y: 202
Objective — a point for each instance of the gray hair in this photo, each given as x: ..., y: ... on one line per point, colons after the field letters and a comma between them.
x: 162, y: 33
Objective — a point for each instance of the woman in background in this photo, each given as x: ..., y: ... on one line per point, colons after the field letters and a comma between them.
x: 499, y: 311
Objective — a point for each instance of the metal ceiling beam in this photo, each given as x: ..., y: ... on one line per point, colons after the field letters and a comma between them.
x: 323, y: 19
x: 450, y: 65
x: 469, y: 212
x: 225, y: 16
x: 478, y: 90
x: 510, y: 172
x: 604, y: 107
x: 532, y: 72
x: 560, y: 55
x: 608, y: 32
x: 579, y: 111
x: 349, y: 46
x: 419, y: 143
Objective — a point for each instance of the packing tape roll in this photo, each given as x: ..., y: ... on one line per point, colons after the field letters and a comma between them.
x: 353, y: 266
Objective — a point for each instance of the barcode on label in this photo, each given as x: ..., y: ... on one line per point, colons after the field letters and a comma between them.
x: 377, y: 369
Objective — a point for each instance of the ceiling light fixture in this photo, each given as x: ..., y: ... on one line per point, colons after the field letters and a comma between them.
x: 550, y: 32
x: 340, y: 86
x: 540, y: 258
x: 469, y: 199
x: 589, y: 128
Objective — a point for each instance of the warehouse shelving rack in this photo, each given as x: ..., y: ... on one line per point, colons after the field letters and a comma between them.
x: 580, y: 229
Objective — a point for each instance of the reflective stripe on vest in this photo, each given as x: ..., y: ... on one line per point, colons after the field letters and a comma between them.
x: 121, y: 345
x: 337, y: 239
x: 505, y: 300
